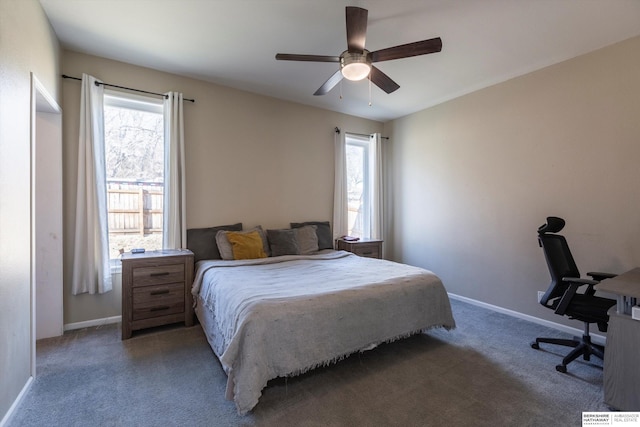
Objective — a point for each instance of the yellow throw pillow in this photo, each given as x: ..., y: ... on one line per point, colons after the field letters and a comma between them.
x: 246, y: 245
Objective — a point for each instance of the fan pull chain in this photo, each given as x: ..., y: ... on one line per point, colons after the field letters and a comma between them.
x: 370, y: 103
x: 340, y: 89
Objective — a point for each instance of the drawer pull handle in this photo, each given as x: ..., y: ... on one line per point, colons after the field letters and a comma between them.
x: 165, y: 273
x: 162, y: 307
x: 165, y: 291
x: 367, y: 253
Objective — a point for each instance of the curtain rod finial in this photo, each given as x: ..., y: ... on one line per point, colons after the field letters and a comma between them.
x: 337, y: 129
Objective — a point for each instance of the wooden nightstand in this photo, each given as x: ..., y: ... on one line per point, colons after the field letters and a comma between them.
x: 156, y: 289
x: 364, y: 247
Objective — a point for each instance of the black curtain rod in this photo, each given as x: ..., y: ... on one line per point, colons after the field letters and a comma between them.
x: 64, y: 76
x: 337, y: 129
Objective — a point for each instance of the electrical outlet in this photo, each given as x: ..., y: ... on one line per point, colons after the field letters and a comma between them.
x: 540, y: 295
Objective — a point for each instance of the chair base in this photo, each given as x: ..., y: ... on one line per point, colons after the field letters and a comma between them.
x: 581, y: 347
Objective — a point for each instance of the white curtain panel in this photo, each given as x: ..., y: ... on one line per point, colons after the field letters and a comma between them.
x: 91, y: 269
x: 377, y: 187
x: 174, y: 214
x: 340, y: 219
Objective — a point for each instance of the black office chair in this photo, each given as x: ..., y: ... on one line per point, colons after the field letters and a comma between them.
x: 563, y: 297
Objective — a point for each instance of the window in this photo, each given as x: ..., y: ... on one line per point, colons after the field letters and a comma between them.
x: 134, y: 162
x: 359, y: 163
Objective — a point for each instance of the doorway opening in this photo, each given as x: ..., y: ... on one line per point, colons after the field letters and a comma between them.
x: 46, y: 217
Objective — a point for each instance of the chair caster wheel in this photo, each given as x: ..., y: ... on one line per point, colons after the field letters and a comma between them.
x: 535, y: 345
x: 561, y: 368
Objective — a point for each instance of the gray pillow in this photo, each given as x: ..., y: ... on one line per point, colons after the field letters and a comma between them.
x: 283, y: 242
x: 202, y: 241
x: 325, y: 239
x: 307, y: 239
x: 226, y: 250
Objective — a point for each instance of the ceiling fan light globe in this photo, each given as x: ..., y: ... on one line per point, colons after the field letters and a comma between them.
x: 356, y: 71
x: 355, y: 66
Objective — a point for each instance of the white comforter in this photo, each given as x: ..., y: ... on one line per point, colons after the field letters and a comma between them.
x: 284, y: 315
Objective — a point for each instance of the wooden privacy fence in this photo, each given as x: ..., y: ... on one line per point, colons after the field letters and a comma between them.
x: 134, y: 207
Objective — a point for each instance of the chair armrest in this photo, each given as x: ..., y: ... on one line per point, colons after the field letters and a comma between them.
x: 580, y: 281
x: 568, y: 295
x: 596, y: 275
x: 574, y: 284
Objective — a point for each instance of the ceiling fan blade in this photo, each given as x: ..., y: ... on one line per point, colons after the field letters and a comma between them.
x: 356, y: 28
x: 311, y: 58
x: 407, y: 50
x: 329, y: 84
x: 383, y: 81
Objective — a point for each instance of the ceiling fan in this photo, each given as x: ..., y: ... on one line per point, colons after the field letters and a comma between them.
x: 356, y: 62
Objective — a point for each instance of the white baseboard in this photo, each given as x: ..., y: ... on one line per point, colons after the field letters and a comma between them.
x: 92, y: 323
x: 596, y: 338
x: 7, y: 417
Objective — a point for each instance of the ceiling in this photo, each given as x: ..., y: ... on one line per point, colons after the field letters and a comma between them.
x: 234, y: 42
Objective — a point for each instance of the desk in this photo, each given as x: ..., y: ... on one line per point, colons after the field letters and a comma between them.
x: 621, y: 367
x: 626, y: 286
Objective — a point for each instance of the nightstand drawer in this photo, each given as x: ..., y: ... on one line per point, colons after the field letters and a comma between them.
x: 153, y: 301
x: 157, y: 275
x: 367, y: 250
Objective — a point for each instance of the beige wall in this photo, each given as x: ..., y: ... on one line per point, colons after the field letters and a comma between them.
x: 250, y: 159
x: 27, y: 44
x: 476, y: 176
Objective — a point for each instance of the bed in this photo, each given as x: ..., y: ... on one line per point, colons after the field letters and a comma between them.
x: 284, y: 315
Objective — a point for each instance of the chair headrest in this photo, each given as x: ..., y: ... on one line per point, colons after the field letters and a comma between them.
x: 553, y: 225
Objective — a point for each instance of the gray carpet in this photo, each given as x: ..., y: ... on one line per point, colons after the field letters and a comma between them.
x: 481, y: 374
